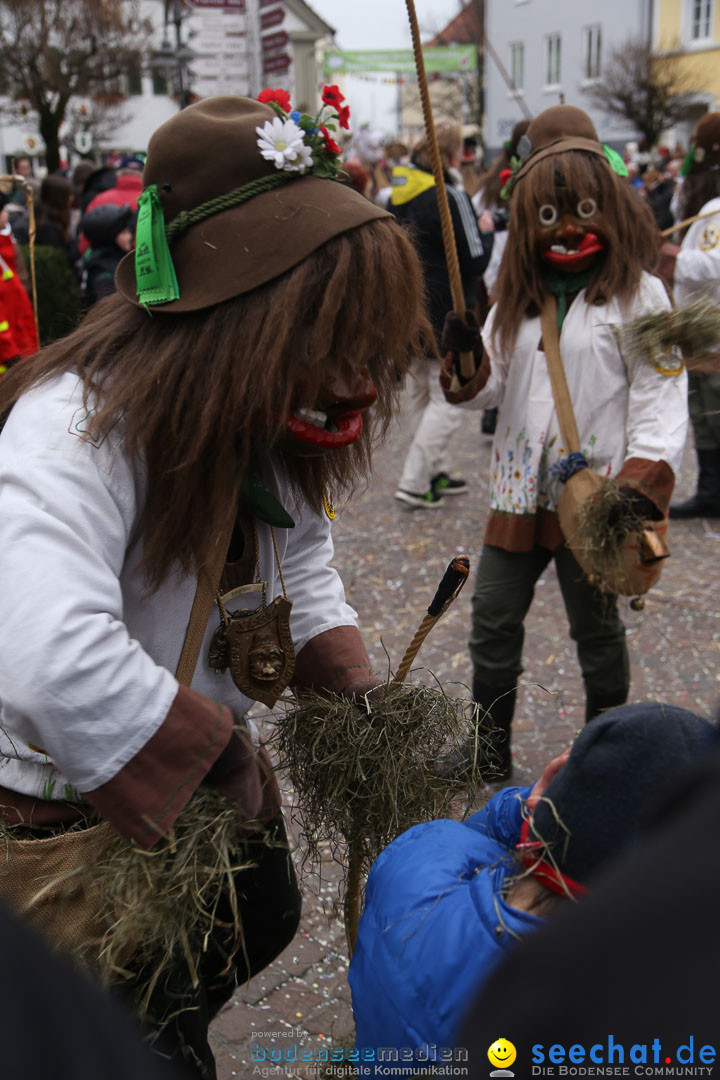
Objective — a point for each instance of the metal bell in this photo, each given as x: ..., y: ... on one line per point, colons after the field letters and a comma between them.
x: 637, y: 603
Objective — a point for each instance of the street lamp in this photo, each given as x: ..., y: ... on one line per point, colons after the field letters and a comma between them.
x: 172, y: 62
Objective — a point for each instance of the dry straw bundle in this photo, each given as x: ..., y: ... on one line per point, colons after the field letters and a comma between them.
x: 158, y: 908
x: 605, y: 521
x: 364, y: 774
x: 661, y: 337
x: 161, y: 906
x: 371, y: 771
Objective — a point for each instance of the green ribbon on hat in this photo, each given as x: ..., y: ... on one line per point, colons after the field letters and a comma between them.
x: 154, y: 270
x: 688, y: 162
x: 615, y: 162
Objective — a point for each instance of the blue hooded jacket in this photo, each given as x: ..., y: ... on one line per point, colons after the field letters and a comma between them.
x: 435, y: 924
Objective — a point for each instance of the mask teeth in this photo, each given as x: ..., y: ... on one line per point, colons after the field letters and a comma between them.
x: 312, y: 416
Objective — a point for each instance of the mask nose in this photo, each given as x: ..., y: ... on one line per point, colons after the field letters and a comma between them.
x: 569, y: 229
x: 351, y: 390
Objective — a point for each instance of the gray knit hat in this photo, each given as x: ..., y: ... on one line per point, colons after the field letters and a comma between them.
x: 618, y: 767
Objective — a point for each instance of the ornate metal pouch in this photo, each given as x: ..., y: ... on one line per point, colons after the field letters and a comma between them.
x: 255, y: 644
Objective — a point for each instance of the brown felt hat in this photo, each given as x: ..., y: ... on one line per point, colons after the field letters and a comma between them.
x: 209, y: 150
x: 560, y: 122
x: 556, y: 130
x: 707, y: 143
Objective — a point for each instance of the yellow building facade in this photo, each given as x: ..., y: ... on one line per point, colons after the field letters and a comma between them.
x: 689, y: 31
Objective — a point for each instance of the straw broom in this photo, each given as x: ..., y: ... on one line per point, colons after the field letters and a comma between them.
x: 453, y: 580
x: 363, y: 772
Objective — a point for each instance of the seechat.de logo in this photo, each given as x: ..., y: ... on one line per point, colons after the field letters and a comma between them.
x: 501, y: 1054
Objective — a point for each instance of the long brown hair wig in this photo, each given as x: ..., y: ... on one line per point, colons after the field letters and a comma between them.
x: 628, y: 227
x: 491, y: 183
x: 196, y: 392
x: 699, y: 188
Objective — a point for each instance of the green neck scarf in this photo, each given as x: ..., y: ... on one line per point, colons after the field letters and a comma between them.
x: 561, y: 285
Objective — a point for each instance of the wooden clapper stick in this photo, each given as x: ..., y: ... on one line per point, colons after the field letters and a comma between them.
x: 452, y: 582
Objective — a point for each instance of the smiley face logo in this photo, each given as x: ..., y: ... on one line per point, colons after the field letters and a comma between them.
x: 502, y: 1054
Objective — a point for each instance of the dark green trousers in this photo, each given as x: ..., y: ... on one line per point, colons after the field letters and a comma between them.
x: 504, y: 590
x: 704, y: 405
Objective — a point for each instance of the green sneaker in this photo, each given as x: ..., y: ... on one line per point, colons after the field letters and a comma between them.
x: 429, y: 501
x: 442, y: 484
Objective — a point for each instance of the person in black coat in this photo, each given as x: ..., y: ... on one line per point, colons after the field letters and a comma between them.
x: 425, y: 477
x: 110, y: 231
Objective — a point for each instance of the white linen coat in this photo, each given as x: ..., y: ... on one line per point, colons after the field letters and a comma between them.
x: 624, y: 409
x: 87, y: 654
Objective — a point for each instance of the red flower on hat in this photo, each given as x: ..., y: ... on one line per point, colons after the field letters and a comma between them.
x: 331, y: 96
x: 278, y: 97
x: 330, y: 145
x: 505, y: 175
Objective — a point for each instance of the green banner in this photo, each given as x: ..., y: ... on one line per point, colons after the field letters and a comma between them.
x: 437, y: 58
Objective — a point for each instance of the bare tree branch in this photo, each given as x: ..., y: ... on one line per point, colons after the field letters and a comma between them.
x: 649, y: 91
x: 52, y: 51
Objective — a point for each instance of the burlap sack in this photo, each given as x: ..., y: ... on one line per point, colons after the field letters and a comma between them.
x: 39, y: 880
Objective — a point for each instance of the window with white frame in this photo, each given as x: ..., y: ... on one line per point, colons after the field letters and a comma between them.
x: 552, y: 59
x: 593, y: 47
x: 517, y: 64
x: 701, y: 26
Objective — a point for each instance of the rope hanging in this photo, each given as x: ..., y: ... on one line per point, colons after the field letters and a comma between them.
x: 467, y: 364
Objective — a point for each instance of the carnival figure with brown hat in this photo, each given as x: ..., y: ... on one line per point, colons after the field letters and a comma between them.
x: 183, y: 444
x: 577, y: 267
x: 694, y: 271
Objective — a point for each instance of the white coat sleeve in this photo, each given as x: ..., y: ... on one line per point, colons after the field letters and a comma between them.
x: 76, y: 689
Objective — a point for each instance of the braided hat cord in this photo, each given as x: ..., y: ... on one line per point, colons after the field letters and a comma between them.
x: 186, y: 218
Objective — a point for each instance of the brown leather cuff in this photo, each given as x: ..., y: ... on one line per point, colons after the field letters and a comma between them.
x: 145, y: 797
x: 653, y: 479
x: 331, y: 660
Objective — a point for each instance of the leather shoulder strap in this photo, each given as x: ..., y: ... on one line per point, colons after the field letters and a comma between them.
x: 207, y: 586
x: 561, y: 393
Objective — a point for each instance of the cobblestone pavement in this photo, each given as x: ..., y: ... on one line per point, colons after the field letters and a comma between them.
x: 391, y: 559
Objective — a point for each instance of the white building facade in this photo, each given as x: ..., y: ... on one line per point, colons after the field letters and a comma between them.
x: 226, y: 47
x: 547, y: 52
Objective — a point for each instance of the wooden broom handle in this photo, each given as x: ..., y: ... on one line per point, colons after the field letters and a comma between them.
x: 453, y: 580
x: 688, y: 221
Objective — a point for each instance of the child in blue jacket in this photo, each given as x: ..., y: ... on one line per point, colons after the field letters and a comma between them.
x: 447, y: 899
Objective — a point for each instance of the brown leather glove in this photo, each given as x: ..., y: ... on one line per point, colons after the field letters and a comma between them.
x: 246, y: 776
x: 461, y: 335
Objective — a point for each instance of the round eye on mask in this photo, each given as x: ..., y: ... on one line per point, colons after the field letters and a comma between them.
x: 547, y: 214
x: 586, y: 208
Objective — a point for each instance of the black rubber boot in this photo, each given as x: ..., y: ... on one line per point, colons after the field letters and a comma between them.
x: 599, y: 703
x: 706, y: 501
x: 489, y: 421
x: 497, y: 705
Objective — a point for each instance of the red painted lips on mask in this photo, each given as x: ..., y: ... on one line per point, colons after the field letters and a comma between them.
x: 591, y: 244
x: 348, y: 428
x: 336, y: 426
